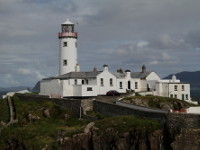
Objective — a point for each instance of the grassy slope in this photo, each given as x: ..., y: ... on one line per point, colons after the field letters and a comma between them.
x: 155, y: 101
x: 43, y: 131
x: 4, y: 112
x: 128, y: 123
x: 46, y: 130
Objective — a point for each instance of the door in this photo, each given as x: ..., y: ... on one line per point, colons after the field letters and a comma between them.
x: 129, y: 85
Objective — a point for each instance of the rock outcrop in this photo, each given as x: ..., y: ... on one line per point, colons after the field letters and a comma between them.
x: 111, y: 139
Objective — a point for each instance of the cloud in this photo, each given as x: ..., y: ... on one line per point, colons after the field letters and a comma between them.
x: 35, y: 73
x: 142, y: 43
x: 164, y: 35
x: 24, y: 71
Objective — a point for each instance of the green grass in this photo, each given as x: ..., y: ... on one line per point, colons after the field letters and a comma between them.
x: 40, y: 132
x: 155, y: 101
x: 36, y: 134
x: 128, y: 123
x: 96, y: 114
x: 4, y: 111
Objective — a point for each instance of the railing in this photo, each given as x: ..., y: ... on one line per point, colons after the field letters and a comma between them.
x: 67, y: 34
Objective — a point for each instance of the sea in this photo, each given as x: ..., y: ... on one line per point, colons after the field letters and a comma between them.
x: 195, y: 94
x: 3, y: 93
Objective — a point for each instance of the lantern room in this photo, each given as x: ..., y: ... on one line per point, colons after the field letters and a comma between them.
x: 67, y: 30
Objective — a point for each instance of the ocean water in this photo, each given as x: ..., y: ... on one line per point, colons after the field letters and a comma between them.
x: 195, y: 94
x: 2, y: 93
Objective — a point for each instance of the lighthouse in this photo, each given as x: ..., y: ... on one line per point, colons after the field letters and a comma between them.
x: 68, y: 48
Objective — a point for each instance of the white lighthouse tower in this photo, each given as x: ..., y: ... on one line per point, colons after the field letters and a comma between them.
x: 68, y: 48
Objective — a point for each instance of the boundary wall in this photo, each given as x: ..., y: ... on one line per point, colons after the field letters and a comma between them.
x: 73, y: 105
x: 117, y: 110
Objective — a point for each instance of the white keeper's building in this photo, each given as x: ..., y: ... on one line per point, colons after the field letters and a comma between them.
x: 71, y: 82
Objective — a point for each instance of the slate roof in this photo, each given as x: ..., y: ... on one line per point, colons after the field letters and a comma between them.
x: 141, y: 75
x: 119, y: 75
x: 93, y: 74
x: 78, y: 75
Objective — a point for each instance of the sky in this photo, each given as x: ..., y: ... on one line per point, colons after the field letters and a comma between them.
x: 162, y: 34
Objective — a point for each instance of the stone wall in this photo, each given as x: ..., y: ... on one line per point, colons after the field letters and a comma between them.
x: 175, y: 120
x: 116, y: 110
x: 183, y: 120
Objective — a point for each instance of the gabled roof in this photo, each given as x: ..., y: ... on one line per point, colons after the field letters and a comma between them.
x: 94, y: 74
x: 78, y: 75
x: 119, y: 75
x: 141, y: 75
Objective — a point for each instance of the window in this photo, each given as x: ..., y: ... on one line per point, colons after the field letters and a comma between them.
x: 64, y: 44
x: 111, y: 82
x: 75, y: 82
x: 120, y: 85
x: 183, y: 88
x: 136, y: 85
x: 86, y: 81
x: 175, y: 96
x: 89, y: 88
x: 186, y: 96
x: 183, y: 97
x: 64, y: 62
x: 171, y: 95
x: 76, y: 44
x: 101, y: 81
x: 83, y: 82
x: 175, y: 87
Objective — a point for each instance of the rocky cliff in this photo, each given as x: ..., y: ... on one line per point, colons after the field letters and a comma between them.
x: 111, y: 139
x: 46, y: 126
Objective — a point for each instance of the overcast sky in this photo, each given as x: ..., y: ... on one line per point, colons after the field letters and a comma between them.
x: 162, y: 34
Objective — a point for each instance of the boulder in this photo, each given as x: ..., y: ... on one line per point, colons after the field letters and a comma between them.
x: 46, y: 113
x: 32, y: 117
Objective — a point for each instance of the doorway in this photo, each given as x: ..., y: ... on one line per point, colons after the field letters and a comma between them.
x: 129, y: 85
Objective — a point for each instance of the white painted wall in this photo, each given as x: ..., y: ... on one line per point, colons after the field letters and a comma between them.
x: 153, y: 76
x: 179, y: 91
x: 68, y: 89
x: 124, y: 85
x: 106, y: 76
x: 83, y: 90
x: 52, y: 88
x: 68, y: 53
x: 195, y: 110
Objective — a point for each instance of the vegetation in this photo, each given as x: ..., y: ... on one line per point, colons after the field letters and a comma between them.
x: 4, y: 112
x: 128, y: 123
x: 158, y: 102
x: 37, y: 133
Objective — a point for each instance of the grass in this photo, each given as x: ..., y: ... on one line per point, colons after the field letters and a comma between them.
x: 128, y: 123
x: 155, y: 101
x: 96, y: 114
x: 40, y: 132
x: 4, y: 111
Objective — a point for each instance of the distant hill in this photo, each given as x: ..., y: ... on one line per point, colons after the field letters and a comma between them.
x: 191, y: 77
x: 15, y: 89
x: 36, y: 87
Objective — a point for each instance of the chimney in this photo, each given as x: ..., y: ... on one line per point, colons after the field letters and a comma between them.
x: 77, y: 68
x: 128, y: 73
x: 95, y: 69
x: 143, y: 68
x: 173, y: 78
x: 105, y: 67
x: 120, y: 70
